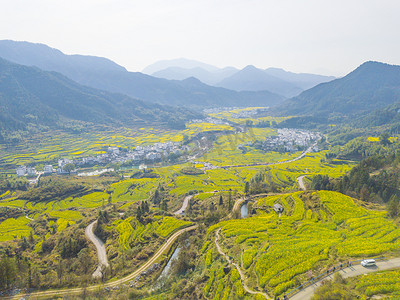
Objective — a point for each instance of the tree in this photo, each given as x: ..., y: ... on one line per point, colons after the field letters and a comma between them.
x: 221, y: 201
x: 139, y: 213
x: 60, y: 271
x: 393, y: 206
x: 85, y: 260
x: 384, y: 138
x: 8, y: 272
x: 156, y: 198
x: 69, y: 168
x: 247, y: 188
x: 164, y: 205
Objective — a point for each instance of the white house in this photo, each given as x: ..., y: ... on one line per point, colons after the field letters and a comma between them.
x: 48, y: 169
x: 21, y: 171
x: 31, y: 171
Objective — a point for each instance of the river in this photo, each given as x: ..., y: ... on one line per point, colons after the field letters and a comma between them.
x: 244, y: 212
x: 164, y: 274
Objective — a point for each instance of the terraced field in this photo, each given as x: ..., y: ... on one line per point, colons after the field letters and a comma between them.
x: 315, y: 231
x: 231, y: 115
x: 384, y: 283
x: 46, y: 149
x: 131, y: 231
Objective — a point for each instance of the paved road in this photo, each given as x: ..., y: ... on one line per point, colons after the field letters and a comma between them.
x: 101, y: 250
x: 74, y: 291
x: 242, y: 277
x: 352, y: 271
x: 182, y: 210
x: 309, y: 149
x: 300, y: 180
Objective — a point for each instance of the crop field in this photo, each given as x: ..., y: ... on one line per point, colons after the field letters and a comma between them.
x: 225, y: 151
x: 315, y: 231
x: 285, y: 174
x: 14, y: 228
x: 47, y: 149
x: 385, y: 283
x: 132, y: 190
x: 131, y: 231
x: 169, y: 225
x: 216, y: 179
x: 230, y: 115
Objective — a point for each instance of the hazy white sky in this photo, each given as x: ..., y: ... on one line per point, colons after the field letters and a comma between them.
x: 324, y: 36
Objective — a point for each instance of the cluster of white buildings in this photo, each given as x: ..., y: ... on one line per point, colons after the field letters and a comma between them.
x: 26, y: 171
x: 248, y: 113
x: 209, y: 120
x: 289, y: 140
x: 139, y: 155
x: 31, y: 171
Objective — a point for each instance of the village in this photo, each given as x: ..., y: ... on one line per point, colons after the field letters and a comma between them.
x: 287, y: 140
x: 114, y: 155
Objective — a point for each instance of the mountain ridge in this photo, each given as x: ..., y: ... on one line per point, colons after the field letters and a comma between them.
x: 29, y: 95
x: 373, y: 85
x: 116, y: 79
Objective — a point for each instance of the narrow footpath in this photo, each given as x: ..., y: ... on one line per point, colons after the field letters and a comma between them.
x: 242, y: 277
x: 101, y: 250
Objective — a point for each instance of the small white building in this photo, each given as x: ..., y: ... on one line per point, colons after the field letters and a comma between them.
x: 113, y: 150
x: 278, y: 207
x: 31, y: 171
x: 48, y: 170
x: 21, y: 171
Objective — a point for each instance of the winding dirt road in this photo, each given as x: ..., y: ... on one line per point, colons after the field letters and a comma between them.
x: 300, y: 180
x: 74, y: 291
x: 242, y: 277
x: 182, y: 210
x: 101, y: 250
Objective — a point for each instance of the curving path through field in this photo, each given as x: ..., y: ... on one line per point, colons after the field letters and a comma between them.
x: 74, y: 291
x: 182, y: 210
x: 101, y: 250
x: 352, y: 271
x: 300, y: 180
x: 242, y: 277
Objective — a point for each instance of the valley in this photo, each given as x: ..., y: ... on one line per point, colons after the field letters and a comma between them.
x: 191, y: 181
x: 131, y: 210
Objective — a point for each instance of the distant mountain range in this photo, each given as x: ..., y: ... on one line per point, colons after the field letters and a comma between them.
x: 368, y: 95
x: 104, y: 74
x: 250, y: 78
x: 32, y: 97
x: 371, y: 86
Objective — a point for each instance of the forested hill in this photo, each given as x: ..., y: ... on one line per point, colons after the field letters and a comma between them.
x: 371, y: 86
x: 101, y: 73
x: 32, y: 97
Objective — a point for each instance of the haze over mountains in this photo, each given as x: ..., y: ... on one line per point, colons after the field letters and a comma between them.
x: 250, y: 78
x: 104, y: 74
x: 32, y: 97
x: 371, y: 86
x: 85, y: 89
